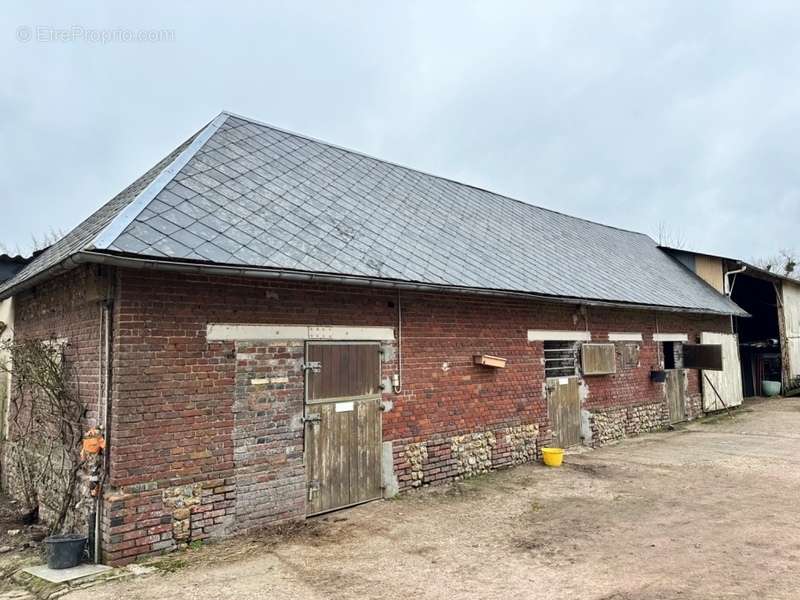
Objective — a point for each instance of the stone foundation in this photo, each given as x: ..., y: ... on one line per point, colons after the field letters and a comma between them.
x: 179, y: 501
x: 613, y: 424
x: 473, y: 453
x: 417, y: 456
x: 522, y: 441
x: 463, y: 456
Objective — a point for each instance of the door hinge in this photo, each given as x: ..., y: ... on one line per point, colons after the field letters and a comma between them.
x: 312, y: 418
x: 313, y: 366
x: 313, y: 488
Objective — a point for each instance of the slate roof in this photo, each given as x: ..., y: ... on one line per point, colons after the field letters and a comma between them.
x: 244, y: 193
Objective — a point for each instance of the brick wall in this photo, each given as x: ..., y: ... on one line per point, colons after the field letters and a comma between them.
x: 187, y: 411
x: 198, y: 449
x: 268, y: 434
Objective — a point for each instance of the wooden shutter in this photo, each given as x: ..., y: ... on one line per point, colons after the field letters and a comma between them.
x: 343, y: 370
x: 598, y: 359
x: 630, y: 355
x: 702, y: 356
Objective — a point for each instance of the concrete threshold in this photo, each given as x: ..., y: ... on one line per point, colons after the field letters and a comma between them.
x: 85, y: 572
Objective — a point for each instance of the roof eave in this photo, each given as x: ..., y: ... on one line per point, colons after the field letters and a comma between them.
x: 65, y: 265
x: 164, y: 264
x: 154, y: 263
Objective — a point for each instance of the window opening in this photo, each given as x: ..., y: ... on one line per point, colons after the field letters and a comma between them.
x: 560, y: 358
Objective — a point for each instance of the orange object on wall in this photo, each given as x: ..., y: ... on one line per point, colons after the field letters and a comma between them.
x: 94, y: 442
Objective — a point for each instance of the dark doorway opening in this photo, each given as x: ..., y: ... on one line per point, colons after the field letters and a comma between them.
x: 673, y: 355
x: 759, y: 335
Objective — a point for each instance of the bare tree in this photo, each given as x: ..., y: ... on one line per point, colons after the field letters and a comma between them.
x: 48, y: 238
x: 785, y: 263
x: 46, y: 427
x: 38, y: 242
x: 667, y: 236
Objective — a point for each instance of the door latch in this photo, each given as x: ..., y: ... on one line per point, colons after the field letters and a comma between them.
x: 313, y: 488
x: 313, y: 366
x: 312, y: 418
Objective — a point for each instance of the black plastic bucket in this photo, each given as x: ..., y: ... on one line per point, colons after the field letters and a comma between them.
x: 64, y: 551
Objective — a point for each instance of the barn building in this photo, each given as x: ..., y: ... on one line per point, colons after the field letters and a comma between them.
x: 269, y: 327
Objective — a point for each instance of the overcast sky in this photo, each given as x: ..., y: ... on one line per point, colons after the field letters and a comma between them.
x: 627, y: 113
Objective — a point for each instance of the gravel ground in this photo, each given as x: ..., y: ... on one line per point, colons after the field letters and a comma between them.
x: 706, y: 511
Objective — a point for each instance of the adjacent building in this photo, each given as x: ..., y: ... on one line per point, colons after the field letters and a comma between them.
x: 769, y: 337
x: 9, y: 266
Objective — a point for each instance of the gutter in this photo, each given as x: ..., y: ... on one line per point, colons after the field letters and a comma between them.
x: 94, y: 257
x: 104, y: 419
x: 289, y: 275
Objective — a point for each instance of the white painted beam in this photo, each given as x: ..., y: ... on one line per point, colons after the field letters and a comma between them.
x: 617, y: 336
x: 218, y: 332
x: 670, y: 337
x: 554, y: 335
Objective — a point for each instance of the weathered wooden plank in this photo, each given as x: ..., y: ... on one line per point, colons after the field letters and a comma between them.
x: 328, y: 433
x: 564, y: 409
x: 358, y: 444
x: 375, y: 450
x: 573, y: 402
x: 676, y: 401
x: 340, y: 473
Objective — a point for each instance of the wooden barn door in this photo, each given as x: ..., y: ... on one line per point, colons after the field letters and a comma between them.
x: 564, y: 410
x: 342, y: 424
x: 676, y: 400
x: 723, y: 388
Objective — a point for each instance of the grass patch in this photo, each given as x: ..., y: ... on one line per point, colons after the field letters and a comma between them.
x: 169, y: 565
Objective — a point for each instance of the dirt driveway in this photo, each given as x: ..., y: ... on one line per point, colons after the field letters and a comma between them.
x: 708, y: 511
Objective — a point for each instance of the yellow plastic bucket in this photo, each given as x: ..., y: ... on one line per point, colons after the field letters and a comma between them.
x: 553, y: 457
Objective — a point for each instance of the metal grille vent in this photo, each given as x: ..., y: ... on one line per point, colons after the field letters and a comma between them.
x: 560, y: 359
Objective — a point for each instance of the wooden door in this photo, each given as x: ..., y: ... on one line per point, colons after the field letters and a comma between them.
x: 791, y: 324
x: 342, y: 424
x: 674, y: 387
x: 722, y: 388
x: 564, y: 410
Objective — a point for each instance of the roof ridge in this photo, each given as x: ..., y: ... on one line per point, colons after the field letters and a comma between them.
x: 426, y: 173
x: 277, y: 198
x: 105, y: 238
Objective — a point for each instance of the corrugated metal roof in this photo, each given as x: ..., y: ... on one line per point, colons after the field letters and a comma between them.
x: 244, y: 193
x: 11, y: 265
